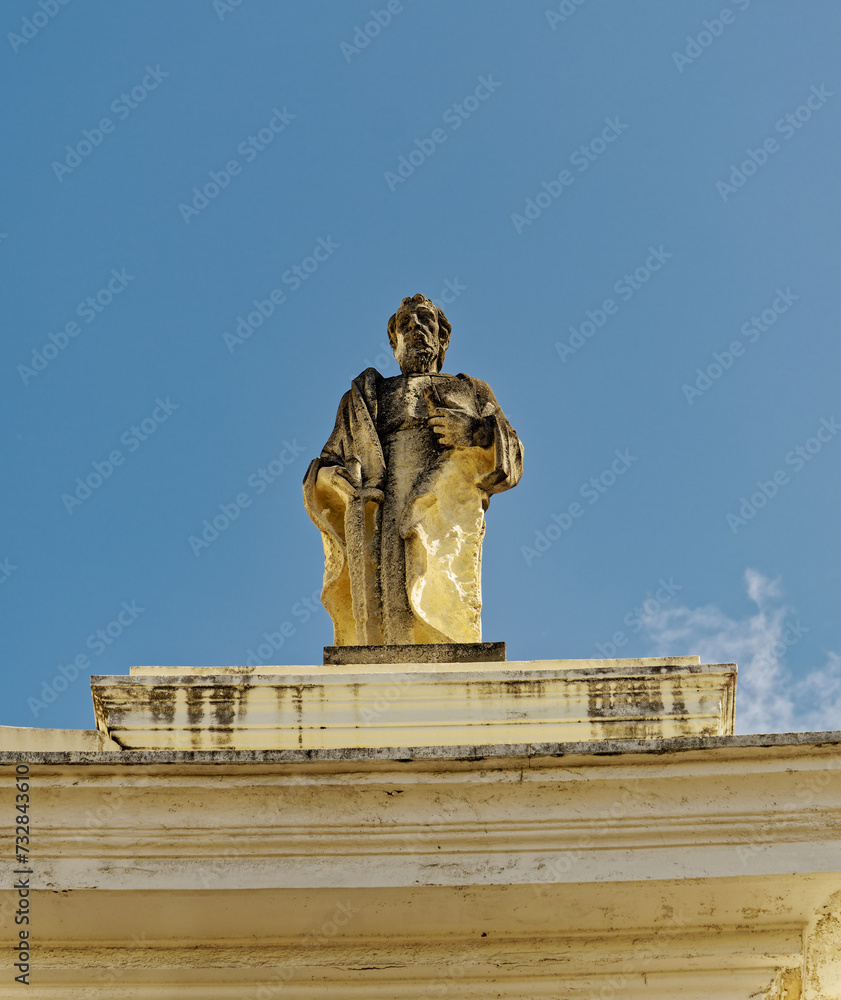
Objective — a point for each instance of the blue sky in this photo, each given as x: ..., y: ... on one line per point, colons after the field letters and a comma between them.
x: 629, y: 213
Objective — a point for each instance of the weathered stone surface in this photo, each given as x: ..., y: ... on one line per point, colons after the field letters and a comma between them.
x: 705, y: 869
x: 400, y: 491
x: 515, y: 755
x: 326, y: 669
x: 25, y: 738
x: 433, y: 652
x: 450, y: 705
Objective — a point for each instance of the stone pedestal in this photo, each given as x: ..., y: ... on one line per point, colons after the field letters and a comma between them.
x: 415, y: 704
x: 439, y: 652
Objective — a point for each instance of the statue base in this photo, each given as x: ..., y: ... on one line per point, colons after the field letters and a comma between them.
x: 467, y: 704
x: 437, y: 652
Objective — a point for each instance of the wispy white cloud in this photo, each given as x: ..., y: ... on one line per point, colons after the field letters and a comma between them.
x: 770, y: 697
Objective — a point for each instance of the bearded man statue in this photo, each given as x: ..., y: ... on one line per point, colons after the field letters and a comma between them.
x: 400, y: 491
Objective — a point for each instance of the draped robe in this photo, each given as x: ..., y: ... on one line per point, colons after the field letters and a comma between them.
x: 408, y: 571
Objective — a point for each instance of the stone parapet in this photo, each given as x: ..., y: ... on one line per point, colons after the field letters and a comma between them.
x: 420, y: 704
x: 705, y: 868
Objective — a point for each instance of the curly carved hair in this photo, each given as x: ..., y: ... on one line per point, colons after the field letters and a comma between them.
x: 444, y: 326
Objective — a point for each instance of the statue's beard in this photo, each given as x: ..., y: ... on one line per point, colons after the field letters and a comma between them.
x: 417, y: 360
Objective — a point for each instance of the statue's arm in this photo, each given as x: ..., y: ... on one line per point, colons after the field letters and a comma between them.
x: 457, y: 427
x: 508, y: 449
x: 333, y: 479
x: 484, y: 429
x: 333, y: 451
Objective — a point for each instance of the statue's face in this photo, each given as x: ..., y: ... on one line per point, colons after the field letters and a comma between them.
x: 417, y: 339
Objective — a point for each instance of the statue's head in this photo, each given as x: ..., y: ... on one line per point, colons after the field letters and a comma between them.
x: 419, y: 334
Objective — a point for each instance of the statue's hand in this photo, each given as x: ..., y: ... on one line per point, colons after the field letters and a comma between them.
x: 459, y: 429
x: 370, y: 494
x: 336, y: 478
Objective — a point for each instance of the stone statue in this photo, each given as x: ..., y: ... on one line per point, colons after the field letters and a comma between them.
x: 400, y: 491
